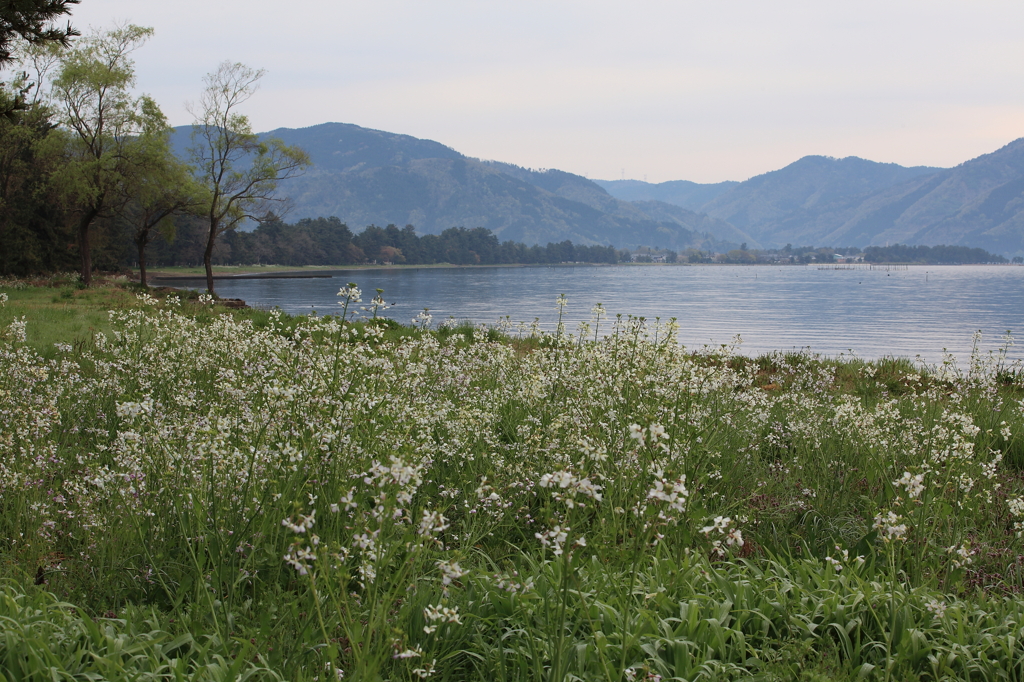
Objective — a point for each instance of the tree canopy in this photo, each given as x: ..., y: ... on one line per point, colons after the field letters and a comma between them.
x: 111, y: 133
x: 31, y: 20
x: 238, y: 170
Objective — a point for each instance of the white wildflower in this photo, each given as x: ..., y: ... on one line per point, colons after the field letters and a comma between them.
x: 432, y: 523
x: 936, y: 607
x: 554, y: 538
x: 636, y: 432
x: 304, y: 523
x: 422, y: 320
x: 450, y: 571
x: 913, y: 484
x: 889, y: 526
x: 962, y: 555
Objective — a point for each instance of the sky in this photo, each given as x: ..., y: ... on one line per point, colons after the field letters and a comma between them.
x: 647, y: 90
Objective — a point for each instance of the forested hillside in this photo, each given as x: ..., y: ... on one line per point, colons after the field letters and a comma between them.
x: 367, y: 177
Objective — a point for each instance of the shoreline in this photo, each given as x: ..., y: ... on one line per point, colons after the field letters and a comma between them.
x: 229, y: 272
x: 309, y: 271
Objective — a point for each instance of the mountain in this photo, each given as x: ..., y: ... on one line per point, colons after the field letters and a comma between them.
x: 689, y: 195
x: 978, y: 203
x: 593, y: 194
x: 367, y: 177
x: 347, y: 148
x: 801, y: 189
x: 851, y: 201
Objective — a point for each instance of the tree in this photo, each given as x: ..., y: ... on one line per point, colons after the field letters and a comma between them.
x: 391, y: 254
x: 33, y: 232
x: 30, y: 20
x: 161, y: 188
x: 239, y: 171
x: 110, y: 133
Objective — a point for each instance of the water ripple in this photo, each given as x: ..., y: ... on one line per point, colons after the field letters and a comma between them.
x: 873, y: 313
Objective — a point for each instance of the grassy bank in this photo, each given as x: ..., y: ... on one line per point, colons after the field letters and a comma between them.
x: 225, y: 493
x: 63, y: 312
x: 223, y: 270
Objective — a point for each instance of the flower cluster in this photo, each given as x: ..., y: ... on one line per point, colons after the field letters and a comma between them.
x: 423, y: 319
x: 1016, y: 506
x: 936, y: 608
x: 656, y: 432
x: 565, y: 486
x: 300, y: 559
x: 913, y: 484
x: 961, y: 555
x: 555, y: 539
x: 725, y: 534
x: 304, y: 523
x: 440, y: 614
x: 450, y: 572
x: 389, y: 469
x: 889, y: 527
x: 674, y: 493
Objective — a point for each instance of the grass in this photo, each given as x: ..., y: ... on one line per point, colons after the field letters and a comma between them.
x: 200, y: 271
x: 194, y: 492
x: 62, y: 312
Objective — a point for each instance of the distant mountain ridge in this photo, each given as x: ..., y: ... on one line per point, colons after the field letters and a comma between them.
x: 802, y: 188
x: 854, y: 202
x: 366, y: 176
x: 347, y: 148
x: 688, y: 195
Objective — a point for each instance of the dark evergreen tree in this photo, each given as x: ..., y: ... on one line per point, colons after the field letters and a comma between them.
x: 32, y: 21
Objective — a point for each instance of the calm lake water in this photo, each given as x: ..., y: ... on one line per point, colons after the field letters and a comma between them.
x: 873, y: 313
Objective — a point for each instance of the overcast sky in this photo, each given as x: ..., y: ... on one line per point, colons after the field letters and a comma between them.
x: 663, y: 90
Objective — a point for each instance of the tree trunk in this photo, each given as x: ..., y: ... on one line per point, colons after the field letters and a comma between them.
x: 208, y: 255
x: 142, y: 263
x: 83, y: 244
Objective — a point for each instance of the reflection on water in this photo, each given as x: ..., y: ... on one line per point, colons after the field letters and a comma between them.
x: 873, y: 313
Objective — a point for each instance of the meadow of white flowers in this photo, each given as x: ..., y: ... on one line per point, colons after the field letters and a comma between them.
x: 324, y: 499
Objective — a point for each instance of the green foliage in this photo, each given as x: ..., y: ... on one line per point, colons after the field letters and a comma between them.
x: 941, y: 254
x: 238, y: 171
x: 113, y: 135
x: 104, y: 179
x: 308, y: 494
x: 328, y: 241
x: 44, y: 639
x: 33, y: 235
x: 160, y: 189
x: 30, y: 20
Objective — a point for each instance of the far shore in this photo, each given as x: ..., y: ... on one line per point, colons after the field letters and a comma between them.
x: 303, y: 271
x: 245, y: 271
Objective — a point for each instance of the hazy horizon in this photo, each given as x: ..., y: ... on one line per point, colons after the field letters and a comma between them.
x: 663, y: 91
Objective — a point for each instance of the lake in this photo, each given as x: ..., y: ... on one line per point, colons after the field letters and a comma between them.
x: 917, y: 311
